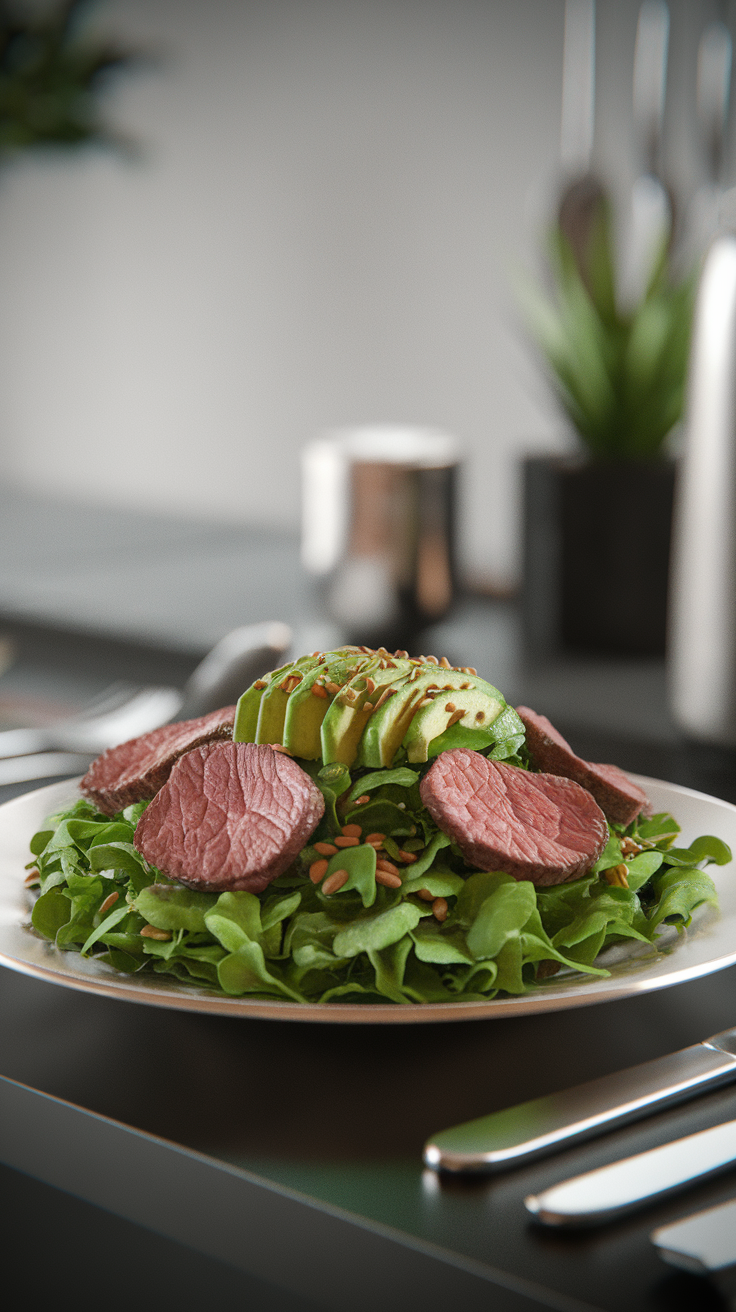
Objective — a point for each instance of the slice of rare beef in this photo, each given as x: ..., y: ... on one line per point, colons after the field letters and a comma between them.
x: 230, y: 816
x: 137, y: 769
x: 533, y: 826
x: 619, y: 798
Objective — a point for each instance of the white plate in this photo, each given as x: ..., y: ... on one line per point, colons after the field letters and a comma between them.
x: 709, y: 944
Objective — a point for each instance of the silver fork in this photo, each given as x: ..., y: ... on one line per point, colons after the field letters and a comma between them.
x: 124, y: 711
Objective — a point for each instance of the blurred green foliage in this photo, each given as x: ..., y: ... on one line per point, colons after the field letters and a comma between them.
x: 51, y: 73
x: 619, y: 374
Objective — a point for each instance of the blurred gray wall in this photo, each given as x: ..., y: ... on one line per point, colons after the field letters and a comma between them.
x: 334, y: 202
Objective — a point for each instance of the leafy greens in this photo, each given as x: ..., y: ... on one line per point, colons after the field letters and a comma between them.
x: 367, y: 941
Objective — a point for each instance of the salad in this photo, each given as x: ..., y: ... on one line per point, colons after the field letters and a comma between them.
x: 384, y: 899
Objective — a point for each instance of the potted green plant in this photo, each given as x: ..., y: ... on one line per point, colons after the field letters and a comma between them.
x: 597, y: 524
x: 51, y: 73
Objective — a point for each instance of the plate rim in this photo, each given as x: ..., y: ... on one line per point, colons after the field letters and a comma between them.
x: 187, y: 998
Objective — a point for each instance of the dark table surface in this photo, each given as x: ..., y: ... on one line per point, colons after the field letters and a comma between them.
x: 340, y: 1113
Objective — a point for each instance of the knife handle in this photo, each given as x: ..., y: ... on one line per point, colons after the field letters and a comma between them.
x: 531, y: 1129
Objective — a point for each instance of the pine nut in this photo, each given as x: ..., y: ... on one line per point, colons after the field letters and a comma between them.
x: 110, y: 901
x: 150, y: 931
x: 319, y: 691
x: 387, y: 879
x: 444, y: 663
x: 425, y: 895
x: 456, y: 715
x: 370, y: 685
x: 352, y: 831
x: 402, y: 655
x: 361, y: 801
x: 384, y: 864
x: 335, y: 881
x: 617, y: 876
x: 318, y: 870
x: 33, y: 877
x: 260, y: 683
x: 439, y: 908
x: 407, y: 857
x: 278, y: 747
x: 332, y: 688
x: 325, y: 849
x: 480, y: 716
x: 451, y: 706
x: 375, y: 838
x: 347, y: 842
x: 629, y: 847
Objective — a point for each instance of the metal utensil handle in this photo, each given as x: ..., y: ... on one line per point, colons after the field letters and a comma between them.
x: 517, y: 1134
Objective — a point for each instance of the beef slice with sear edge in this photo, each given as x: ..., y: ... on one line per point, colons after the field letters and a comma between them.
x: 134, y: 771
x: 619, y: 798
x: 230, y: 816
x: 533, y: 826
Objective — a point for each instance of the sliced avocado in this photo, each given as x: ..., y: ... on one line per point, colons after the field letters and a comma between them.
x: 481, y: 705
x: 305, y: 711
x: 346, y: 719
x: 388, y: 725
x: 272, y: 710
x: 249, y: 704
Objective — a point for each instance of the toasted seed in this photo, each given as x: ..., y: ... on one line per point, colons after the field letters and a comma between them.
x: 431, y: 660
x: 384, y: 864
x: 341, y: 841
x: 629, y: 847
x: 319, y: 691
x: 150, y: 931
x: 456, y: 715
x: 375, y: 838
x: 439, y: 908
x: 425, y: 895
x: 451, y: 706
x: 361, y: 801
x: 445, y: 663
x: 402, y: 655
x: 332, y: 688
x: 617, y: 876
x: 463, y: 686
x: 335, y: 881
x: 325, y: 849
x: 387, y: 879
x: 407, y: 857
x: 470, y: 669
x: 33, y: 877
x: 318, y: 870
x: 426, y: 701
x: 480, y: 716
x: 260, y: 683
x: 370, y: 684
x: 352, y: 831
x: 278, y: 747
x: 110, y: 901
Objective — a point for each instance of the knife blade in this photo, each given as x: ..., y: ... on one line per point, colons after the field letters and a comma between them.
x: 704, y: 1243
x: 608, y: 1192
x: 516, y: 1135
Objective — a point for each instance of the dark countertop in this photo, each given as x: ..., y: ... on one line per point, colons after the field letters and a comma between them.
x: 339, y: 1113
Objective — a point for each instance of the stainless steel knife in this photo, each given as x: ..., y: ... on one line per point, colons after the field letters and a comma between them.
x: 704, y: 1243
x: 605, y: 1194
x: 517, y: 1134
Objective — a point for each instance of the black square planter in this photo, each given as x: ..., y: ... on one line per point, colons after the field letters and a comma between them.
x: 596, y: 556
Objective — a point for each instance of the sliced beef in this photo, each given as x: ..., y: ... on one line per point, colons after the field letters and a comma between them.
x: 230, y: 816
x: 533, y: 826
x: 619, y: 798
x: 137, y: 769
